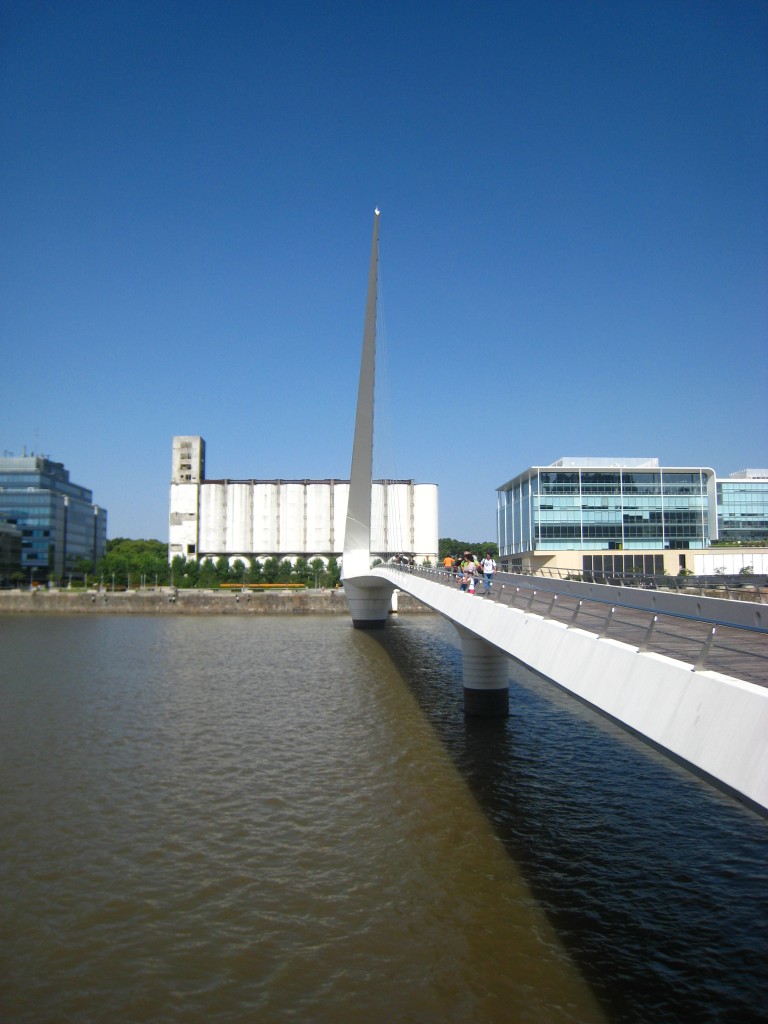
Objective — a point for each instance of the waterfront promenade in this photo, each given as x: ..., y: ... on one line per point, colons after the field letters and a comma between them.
x: 167, y: 601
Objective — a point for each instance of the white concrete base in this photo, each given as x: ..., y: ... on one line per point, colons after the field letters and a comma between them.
x: 369, y: 604
x: 715, y: 723
x: 486, y: 677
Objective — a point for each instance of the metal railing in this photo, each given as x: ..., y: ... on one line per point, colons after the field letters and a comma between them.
x: 727, y: 585
x: 701, y: 641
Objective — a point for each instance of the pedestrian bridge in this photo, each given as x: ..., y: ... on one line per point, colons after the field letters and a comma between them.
x: 685, y: 672
x: 688, y: 674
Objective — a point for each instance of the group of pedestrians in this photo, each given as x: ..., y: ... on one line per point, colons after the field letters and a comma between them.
x: 468, y: 569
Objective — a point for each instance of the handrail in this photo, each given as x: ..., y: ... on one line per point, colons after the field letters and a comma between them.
x: 670, y: 614
x: 425, y: 570
x: 680, y: 584
x: 651, y: 631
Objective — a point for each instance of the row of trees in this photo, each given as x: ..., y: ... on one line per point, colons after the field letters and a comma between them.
x: 136, y: 561
x: 450, y: 546
x: 208, y: 574
x: 131, y: 562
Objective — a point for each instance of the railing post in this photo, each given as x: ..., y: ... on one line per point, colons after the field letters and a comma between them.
x: 530, y: 600
x: 701, y: 661
x: 576, y: 611
x: 606, y: 625
x: 649, y: 633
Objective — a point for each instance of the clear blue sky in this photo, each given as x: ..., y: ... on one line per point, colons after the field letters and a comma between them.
x: 574, y: 238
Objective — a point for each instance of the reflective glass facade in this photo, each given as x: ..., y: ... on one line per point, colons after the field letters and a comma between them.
x: 591, y: 507
x: 58, y: 521
x: 742, y: 508
x: 10, y: 553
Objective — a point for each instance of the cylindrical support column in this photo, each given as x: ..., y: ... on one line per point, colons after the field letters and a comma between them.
x: 368, y: 606
x: 486, y: 677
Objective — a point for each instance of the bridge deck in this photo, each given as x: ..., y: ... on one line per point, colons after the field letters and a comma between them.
x: 734, y: 651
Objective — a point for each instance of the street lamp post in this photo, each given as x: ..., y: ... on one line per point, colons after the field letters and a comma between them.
x: 64, y: 546
x: 95, y: 533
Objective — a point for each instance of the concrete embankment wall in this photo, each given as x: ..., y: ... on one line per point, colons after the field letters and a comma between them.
x: 186, y: 602
x: 714, y: 723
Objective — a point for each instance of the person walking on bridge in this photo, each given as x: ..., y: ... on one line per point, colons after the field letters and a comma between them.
x: 489, y: 568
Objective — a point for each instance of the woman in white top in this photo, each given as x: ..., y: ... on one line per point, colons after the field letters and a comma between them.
x: 489, y: 568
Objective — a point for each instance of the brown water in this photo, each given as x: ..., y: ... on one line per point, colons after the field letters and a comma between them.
x: 228, y: 820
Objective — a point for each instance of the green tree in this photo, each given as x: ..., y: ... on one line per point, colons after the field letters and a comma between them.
x: 191, y: 575
x: 180, y: 571
x: 222, y: 570
x: 317, y: 567
x: 332, y: 573
x: 209, y: 577
x: 284, y: 572
x: 255, y: 572
x: 148, y: 558
x: 451, y: 546
x: 270, y: 570
x: 82, y: 569
x: 302, y: 573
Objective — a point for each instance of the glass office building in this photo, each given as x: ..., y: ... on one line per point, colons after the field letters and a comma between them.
x: 579, y: 505
x: 58, y: 522
x: 10, y: 554
x: 742, y: 507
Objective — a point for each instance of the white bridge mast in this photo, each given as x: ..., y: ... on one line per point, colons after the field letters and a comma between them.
x: 368, y: 597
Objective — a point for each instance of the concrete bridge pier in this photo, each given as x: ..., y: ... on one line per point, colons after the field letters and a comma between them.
x: 486, y: 677
x: 368, y: 605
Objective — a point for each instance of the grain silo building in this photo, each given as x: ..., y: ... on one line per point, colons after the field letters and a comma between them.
x: 289, y: 519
